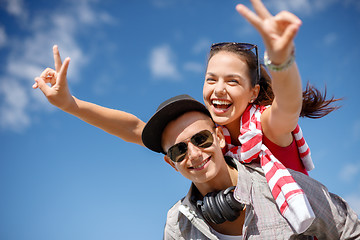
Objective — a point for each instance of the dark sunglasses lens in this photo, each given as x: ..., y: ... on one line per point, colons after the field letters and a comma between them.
x: 242, y: 46
x: 215, y: 45
x: 245, y: 46
x: 177, y: 152
x: 202, y: 139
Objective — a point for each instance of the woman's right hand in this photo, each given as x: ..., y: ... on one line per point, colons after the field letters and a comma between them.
x: 278, y: 32
x: 58, y: 93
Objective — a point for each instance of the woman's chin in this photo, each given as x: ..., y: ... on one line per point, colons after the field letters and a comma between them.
x: 221, y: 120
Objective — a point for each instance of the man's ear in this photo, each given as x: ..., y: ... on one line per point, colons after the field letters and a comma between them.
x: 220, y: 135
x: 170, y: 162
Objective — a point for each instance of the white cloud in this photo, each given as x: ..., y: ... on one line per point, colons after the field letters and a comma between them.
x: 163, y: 3
x: 3, y: 37
x: 202, y: 45
x: 245, y: 30
x: 23, y: 69
x: 292, y: 6
x: 349, y: 172
x: 354, y: 202
x: 353, y: 4
x: 299, y: 6
x: 330, y: 39
x: 162, y: 63
x: 87, y: 15
x: 13, y: 108
x: 106, y: 18
x: 30, y: 54
x: 194, y: 67
x: 15, y: 8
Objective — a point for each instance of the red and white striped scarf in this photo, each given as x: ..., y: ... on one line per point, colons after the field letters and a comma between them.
x: 289, y: 197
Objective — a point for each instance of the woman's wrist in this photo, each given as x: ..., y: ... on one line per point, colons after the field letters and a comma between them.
x: 72, y: 106
x: 279, y: 67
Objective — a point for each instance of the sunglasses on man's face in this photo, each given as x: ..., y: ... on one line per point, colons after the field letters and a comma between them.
x: 202, y: 139
x: 242, y: 47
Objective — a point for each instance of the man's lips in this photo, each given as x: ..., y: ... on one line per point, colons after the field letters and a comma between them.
x: 201, y: 165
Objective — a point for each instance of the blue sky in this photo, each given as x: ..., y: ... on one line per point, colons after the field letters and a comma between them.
x: 61, y: 178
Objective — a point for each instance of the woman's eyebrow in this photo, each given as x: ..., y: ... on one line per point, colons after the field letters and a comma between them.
x: 233, y: 75
x: 228, y: 75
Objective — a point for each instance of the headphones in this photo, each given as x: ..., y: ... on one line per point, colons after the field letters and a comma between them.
x: 218, y: 207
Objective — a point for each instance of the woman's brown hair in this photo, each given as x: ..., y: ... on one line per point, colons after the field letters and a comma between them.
x: 314, y: 105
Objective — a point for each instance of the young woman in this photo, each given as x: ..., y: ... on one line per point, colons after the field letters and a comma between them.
x: 238, y: 92
x: 236, y: 83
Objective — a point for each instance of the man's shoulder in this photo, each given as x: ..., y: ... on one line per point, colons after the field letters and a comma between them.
x: 174, y: 219
x: 173, y: 212
x: 175, y: 207
x: 305, y: 181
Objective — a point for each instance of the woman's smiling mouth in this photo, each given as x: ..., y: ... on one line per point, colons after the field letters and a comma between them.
x: 221, y: 105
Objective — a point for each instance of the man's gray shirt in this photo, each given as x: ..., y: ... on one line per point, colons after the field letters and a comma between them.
x: 334, y: 218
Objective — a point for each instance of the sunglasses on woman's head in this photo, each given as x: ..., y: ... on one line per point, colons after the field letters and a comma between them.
x: 202, y: 139
x: 242, y: 47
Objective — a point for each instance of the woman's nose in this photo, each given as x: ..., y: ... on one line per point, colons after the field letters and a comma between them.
x: 220, y: 88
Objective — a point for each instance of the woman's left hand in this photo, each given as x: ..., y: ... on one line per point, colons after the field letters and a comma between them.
x: 278, y: 32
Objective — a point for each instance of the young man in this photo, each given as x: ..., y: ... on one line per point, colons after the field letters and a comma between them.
x: 182, y: 129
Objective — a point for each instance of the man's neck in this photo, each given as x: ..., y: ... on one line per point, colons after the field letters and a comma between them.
x: 231, y: 228
x: 226, y: 178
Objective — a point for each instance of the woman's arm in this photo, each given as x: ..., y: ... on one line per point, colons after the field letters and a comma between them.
x: 278, y: 33
x: 121, y: 124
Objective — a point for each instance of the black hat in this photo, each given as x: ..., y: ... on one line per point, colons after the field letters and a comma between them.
x: 166, y: 112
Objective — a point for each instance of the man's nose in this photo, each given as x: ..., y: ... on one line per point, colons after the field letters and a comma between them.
x: 193, y: 151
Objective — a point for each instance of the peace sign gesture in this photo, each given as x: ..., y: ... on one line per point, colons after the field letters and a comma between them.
x: 58, y: 94
x: 278, y: 32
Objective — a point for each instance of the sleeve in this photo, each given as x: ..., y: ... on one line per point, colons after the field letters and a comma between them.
x: 171, y: 225
x: 347, y: 220
x: 334, y: 217
x: 168, y: 233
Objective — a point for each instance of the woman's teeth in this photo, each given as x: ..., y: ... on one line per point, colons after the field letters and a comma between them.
x: 220, y: 103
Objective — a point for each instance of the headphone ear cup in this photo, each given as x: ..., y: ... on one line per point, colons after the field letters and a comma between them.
x: 233, y: 203
x: 212, y: 208
x: 226, y: 210
x: 218, y: 207
x: 200, y: 205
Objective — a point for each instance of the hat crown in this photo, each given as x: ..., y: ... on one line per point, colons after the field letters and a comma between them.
x: 168, y: 111
x: 174, y: 99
